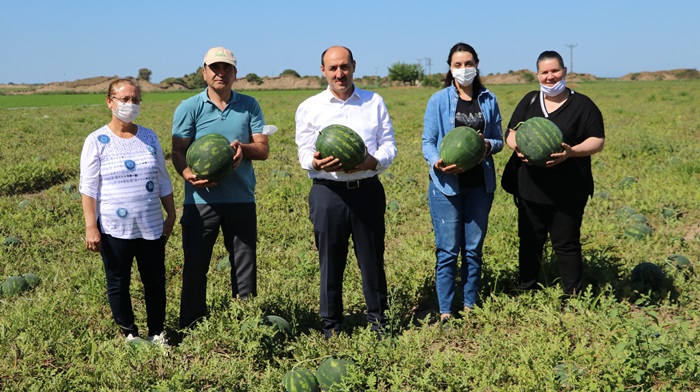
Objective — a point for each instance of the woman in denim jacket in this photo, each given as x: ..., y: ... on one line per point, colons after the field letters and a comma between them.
x: 460, y: 201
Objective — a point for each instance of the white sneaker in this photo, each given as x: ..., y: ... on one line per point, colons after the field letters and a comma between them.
x: 159, y: 340
x: 135, y: 340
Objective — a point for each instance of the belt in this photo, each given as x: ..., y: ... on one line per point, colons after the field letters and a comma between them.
x: 354, y: 184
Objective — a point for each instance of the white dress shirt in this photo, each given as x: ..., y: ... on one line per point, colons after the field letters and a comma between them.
x: 364, y: 112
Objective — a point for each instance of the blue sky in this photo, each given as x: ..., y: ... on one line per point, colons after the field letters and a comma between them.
x: 52, y: 41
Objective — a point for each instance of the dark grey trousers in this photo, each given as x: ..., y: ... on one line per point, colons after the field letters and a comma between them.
x: 338, y: 213
x: 200, y: 228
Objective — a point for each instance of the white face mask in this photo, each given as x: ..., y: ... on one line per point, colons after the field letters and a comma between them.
x: 555, y: 90
x: 126, y: 112
x: 464, y: 76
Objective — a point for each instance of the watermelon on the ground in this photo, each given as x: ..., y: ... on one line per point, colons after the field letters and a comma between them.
x: 462, y: 146
x: 279, y: 329
x: 32, y: 279
x: 638, y: 231
x: 223, y: 264
x: 342, y: 143
x: 669, y: 213
x: 210, y: 157
x: 10, y: 241
x: 282, y: 327
x: 393, y: 206
x: 300, y: 380
x: 625, y: 212
x: 681, y: 262
x: 538, y: 138
x: 332, y: 370
x: 638, y: 218
x: 647, y: 277
x: 627, y: 181
x: 13, y: 285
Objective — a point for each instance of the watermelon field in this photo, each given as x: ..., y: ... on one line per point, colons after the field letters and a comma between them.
x: 621, y: 334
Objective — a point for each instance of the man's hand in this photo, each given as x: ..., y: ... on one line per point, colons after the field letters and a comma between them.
x: 369, y: 163
x: 327, y: 164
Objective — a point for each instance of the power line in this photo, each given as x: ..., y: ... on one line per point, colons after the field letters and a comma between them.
x: 571, y: 63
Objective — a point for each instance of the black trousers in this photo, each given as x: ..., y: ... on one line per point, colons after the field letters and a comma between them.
x: 563, y: 223
x: 200, y: 228
x: 117, y: 257
x: 339, y: 210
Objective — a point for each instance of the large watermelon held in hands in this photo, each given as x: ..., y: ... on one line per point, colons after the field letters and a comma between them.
x: 342, y: 143
x: 300, y: 380
x: 462, y: 146
x: 537, y: 139
x: 331, y: 371
x: 210, y: 157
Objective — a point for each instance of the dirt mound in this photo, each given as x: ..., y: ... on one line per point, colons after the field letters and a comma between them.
x: 674, y: 74
x: 279, y: 83
x: 100, y: 84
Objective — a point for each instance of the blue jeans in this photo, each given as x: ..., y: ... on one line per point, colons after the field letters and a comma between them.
x: 460, y: 224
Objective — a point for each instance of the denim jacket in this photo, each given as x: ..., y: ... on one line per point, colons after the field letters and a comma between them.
x: 440, y: 119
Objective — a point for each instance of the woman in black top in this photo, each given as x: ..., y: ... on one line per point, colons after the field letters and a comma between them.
x: 551, y: 200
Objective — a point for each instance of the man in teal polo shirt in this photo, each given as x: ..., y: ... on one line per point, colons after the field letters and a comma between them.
x: 228, y: 204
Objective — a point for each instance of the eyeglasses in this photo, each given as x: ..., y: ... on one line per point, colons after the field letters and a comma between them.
x: 133, y: 100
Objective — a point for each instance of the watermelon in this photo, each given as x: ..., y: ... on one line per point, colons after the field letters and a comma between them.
x: 13, y: 285
x: 647, y: 277
x: 210, y: 157
x: 537, y: 139
x: 462, y: 146
x: 625, y: 212
x: 279, y: 329
x: 281, y: 326
x: 638, y: 218
x: 31, y: 279
x: 10, y: 241
x: 638, y: 231
x: 669, y: 213
x: 300, y: 380
x: 393, y: 206
x: 627, y: 181
x: 680, y: 262
x: 342, y: 143
x: 332, y: 370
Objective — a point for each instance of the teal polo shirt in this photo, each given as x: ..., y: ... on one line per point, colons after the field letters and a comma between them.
x: 198, y: 116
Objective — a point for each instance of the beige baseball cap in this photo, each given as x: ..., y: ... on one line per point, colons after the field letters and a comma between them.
x: 219, y: 55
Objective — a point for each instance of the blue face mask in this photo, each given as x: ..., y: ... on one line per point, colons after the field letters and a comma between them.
x: 555, y: 90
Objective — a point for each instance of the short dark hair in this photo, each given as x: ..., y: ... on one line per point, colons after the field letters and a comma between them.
x: 462, y: 47
x: 549, y: 55
x: 352, y: 60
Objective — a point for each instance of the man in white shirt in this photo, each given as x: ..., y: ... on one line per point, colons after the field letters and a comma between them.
x: 344, y: 203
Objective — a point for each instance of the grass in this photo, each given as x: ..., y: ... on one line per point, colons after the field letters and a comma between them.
x: 60, y: 336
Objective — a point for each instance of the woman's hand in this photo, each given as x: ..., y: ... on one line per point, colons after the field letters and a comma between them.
x: 450, y: 169
x: 559, y: 157
x: 168, y: 225
x: 92, y: 238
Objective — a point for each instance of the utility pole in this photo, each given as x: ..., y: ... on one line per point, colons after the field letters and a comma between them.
x: 428, y: 63
x: 571, y: 63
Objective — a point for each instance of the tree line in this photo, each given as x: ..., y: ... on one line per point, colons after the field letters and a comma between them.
x: 409, y: 74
